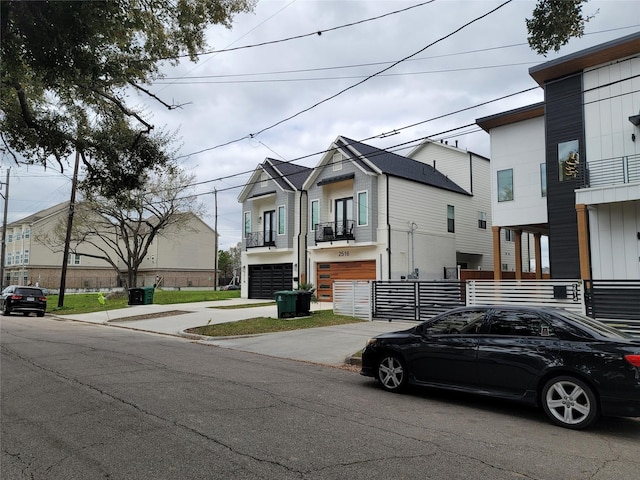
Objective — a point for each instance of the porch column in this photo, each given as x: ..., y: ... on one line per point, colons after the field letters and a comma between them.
x: 583, y: 242
x: 518, y: 253
x: 497, y: 254
x: 538, y: 252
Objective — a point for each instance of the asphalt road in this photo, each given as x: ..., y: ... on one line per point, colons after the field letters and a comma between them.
x: 85, y: 401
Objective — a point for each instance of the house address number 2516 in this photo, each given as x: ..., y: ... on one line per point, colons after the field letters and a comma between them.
x: 343, y: 253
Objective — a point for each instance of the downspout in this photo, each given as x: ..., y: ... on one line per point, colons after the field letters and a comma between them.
x: 302, y: 255
x: 388, y: 235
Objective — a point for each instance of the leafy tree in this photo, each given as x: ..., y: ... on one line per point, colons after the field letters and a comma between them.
x: 68, y: 66
x: 554, y: 22
x: 119, y: 230
x: 225, y: 265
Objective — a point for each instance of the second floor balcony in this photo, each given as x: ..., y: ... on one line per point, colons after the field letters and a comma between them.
x: 335, y: 231
x: 260, y: 239
x: 610, y: 171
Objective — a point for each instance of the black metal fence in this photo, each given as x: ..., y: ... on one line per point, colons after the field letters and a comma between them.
x: 411, y: 300
x: 616, y: 302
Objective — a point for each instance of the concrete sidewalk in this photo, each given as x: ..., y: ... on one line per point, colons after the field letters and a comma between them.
x: 325, y: 345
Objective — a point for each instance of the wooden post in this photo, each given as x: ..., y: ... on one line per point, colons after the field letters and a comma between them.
x: 583, y: 242
x: 497, y: 254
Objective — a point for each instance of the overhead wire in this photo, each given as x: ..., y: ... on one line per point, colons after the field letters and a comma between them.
x: 253, y: 135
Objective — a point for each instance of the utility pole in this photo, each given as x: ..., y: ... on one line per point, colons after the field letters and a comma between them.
x: 215, y: 229
x: 3, y: 249
x: 65, y: 256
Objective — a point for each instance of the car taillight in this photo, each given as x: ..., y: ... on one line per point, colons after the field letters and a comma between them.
x: 633, y: 360
x: 16, y: 297
x: 42, y: 299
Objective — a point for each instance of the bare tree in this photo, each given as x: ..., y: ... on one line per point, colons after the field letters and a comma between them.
x: 120, y: 229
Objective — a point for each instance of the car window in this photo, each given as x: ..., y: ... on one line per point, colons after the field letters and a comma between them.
x: 29, y: 292
x: 466, y: 321
x: 524, y: 324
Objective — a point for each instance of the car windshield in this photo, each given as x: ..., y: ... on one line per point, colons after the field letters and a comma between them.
x: 601, y: 328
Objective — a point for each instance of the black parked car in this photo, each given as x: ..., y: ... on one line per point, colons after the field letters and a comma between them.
x: 26, y: 300
x: 575, y: 367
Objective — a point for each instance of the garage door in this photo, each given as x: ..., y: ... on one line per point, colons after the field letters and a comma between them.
x: 327, y: 273
x: 264, y: 280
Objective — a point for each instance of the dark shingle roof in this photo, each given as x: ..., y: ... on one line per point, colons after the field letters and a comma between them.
x: 402, y: 167
x: 279, y: 171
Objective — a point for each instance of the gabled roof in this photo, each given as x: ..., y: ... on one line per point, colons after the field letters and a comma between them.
x: 36, y: 217
x: 288, y: 176
x: 439, y: 144
x: 388, y: 163
x: 589, y: 57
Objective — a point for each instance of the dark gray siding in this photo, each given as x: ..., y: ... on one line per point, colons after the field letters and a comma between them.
x: 564, y: 122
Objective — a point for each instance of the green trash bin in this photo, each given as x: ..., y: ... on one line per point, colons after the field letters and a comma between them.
x: 147, y: 295
x: 286, y: 301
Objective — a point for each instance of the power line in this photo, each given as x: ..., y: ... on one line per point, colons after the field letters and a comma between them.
x: 312, y: 34
x: 253, y: 135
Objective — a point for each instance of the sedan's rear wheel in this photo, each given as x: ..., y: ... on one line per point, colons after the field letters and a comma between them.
x: 392, y: 374
x: 570, y: 403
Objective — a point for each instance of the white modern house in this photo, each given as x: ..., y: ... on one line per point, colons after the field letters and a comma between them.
x: 569, y: 167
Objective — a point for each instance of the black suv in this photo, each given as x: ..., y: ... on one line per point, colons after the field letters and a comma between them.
x: 26, y: 300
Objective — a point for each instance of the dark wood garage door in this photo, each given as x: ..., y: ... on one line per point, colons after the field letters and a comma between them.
x: 264, y: 280
x: 327, y: 273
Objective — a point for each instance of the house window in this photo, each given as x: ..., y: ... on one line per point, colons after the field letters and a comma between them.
x: 543, y: 179
x: 27, y: 233
x: 451, y: 219
x: 336, y: 160
x: 247, y: 223
x: 74, y: 259
x: 315, y: 214
x: 269, y: 227
x: 281, y: 220
x: 264, y: 180
x: 25, y: 257
x: 363, y: 208
x: 10, y: 237
x: 344, y: 217
x: 568, y: 160
x: 18, y: 258
x: 509, y: 235
x: 505, y: 185
x: 18, y: 236
x: 482, y: 220
x: 10, y: 259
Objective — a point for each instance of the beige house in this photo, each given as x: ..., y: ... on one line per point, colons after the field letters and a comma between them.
x: 182, y: 256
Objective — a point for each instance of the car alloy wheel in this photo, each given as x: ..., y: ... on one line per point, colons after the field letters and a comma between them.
x: 392, y: 374
x: 569, y: 402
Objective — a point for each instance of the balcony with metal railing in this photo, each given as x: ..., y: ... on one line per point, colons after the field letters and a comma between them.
x: 610, y: 171
x: 260, y: 239
x: 335, y: 231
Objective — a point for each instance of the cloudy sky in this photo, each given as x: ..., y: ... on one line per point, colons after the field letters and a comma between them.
x: 283, y: 99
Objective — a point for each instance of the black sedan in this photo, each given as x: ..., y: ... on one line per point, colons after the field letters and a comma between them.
x: 23, y: 299
x: 575, y: 367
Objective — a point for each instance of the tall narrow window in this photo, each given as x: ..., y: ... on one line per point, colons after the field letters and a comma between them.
x: 281, y: 220
x: 269, y: 227
x: 482, y: 220
x: 505, y: 185
x: 25, y: 258
x: 568, y: 160
x: 363, y: 208
x: 247, y: 223
x: 509, y: 235
x: 451, y: 219
x: 315, y: 214
x: 543, y: 179
x: 344, y: 217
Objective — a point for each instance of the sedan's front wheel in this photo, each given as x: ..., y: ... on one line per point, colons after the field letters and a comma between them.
x: 570, y: 403
x: 392, y: 374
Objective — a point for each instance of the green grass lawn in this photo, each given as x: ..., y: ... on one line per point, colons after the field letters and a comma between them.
x: 321, y: 318
x: 88, y: 302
